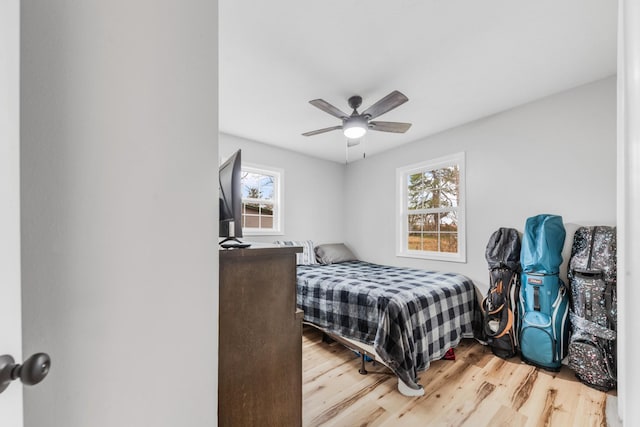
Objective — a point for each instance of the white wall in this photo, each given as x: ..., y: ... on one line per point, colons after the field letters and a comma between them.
x: 119, y: 165
x: 313, y: 190
x: 556, y: 155
x: 628, y: 209
x: 10, y: 318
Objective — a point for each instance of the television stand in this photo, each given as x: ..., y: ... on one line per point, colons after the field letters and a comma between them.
x: 232, y: 242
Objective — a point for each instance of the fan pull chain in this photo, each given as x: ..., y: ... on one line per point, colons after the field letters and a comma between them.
x: 346, y: 153
x: 364, y: 148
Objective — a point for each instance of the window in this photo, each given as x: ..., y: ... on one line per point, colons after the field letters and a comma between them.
x: 431, y: 209
x: 261, y: 201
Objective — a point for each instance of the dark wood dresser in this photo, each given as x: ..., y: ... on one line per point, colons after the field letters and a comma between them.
x: 260, y: 347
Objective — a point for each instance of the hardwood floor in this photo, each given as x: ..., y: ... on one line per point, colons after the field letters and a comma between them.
x: 477, y: 389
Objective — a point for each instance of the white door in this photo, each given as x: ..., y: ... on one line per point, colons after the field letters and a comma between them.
x: 10, y: 313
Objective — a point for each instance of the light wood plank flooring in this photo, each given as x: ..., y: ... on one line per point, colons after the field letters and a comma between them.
x: 477, y: 389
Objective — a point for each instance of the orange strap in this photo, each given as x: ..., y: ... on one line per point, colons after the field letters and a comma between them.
x: 484, y: 304
x: 509, y: 325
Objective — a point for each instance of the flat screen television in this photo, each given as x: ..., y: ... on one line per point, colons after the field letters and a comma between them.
x: 230, y: 190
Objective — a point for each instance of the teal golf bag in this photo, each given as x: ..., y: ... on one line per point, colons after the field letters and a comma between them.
x: 544, y: 299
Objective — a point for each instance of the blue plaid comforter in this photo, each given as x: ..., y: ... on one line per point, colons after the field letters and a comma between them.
x: 410, y: 316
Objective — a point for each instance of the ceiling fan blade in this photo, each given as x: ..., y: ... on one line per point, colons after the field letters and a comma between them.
x: 328, y: 108
x: 387, y: 103
x: 395, y: 127
x: 316, y: 132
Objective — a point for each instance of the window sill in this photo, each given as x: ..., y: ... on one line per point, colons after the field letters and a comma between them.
x: 431, y: 256
x: 262, y: 233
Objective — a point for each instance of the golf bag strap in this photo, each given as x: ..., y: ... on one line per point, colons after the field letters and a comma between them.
x: 487, y: 303
x: 509, y: 324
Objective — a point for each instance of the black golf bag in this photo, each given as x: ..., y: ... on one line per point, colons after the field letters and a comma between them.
x: 500, y: 305
x: 592, y: 276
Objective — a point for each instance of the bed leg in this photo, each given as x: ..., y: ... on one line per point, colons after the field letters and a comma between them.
x: 362, y: 369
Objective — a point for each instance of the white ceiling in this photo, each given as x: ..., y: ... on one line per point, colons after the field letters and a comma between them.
x: 456, y: 60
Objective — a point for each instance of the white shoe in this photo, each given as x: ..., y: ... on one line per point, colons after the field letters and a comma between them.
x: 405, y: 390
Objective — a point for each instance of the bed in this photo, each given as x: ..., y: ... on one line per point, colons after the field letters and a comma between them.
x: 409, y: 317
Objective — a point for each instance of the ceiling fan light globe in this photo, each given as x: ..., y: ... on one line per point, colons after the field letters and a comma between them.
x: 355, y: 127
x: 355, y: 132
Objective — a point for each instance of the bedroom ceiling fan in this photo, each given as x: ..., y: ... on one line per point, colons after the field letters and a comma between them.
x: 355, y: 126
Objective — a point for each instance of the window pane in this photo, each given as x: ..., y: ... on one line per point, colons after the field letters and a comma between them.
x: 449, y: 242
x: 416, y: 222
x: 430, y: 242
x: 266, y: 187
x: 415, y: 180
x: 414, y: 243
x: 416, y: 191
x: 250, y: 185
x: 266, y: 209
x: 445, y: 187
x: 250, y: 209
x: 431, y: 222
x: 266, y: 222
x: 257, y: 186
x: 252, y: 221
x: 448, y: 222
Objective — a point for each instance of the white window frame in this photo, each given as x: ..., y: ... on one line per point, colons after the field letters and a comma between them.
x: 402, y: 219
x: 278, y: 197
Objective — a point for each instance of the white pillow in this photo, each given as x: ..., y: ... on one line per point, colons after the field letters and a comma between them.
x: 308, y: 255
